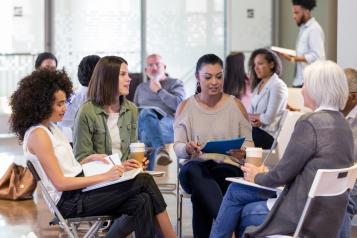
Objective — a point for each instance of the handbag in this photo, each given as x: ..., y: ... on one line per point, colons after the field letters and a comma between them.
x: 17, y: 183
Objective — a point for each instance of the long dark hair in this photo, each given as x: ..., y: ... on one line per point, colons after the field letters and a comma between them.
x: 234, y: 75
x: 103, y: 86
x: 203, y: 60
x: 269, y: 56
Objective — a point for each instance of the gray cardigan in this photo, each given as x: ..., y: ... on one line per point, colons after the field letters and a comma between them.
x: 321, y: 140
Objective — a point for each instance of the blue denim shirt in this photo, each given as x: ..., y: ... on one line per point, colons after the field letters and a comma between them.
x: 310, y: 44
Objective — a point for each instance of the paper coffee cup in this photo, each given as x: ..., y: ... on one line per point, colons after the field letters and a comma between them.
x: 254, y: 155
x: 137, y: 151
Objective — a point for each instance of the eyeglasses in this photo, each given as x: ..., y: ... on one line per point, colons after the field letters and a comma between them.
x: 158, y: 64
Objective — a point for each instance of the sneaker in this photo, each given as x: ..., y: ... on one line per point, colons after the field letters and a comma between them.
x: 162, y: 157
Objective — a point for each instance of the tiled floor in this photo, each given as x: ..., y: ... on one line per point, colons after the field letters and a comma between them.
x: 22, y: 217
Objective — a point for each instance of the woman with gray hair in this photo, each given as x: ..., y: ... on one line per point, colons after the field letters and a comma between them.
x: 270, y: 96
x: 320, y: 140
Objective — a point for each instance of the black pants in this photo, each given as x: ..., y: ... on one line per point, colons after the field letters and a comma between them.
x: 262, y: 139
x: 206, y: 183
x: 139, y: 198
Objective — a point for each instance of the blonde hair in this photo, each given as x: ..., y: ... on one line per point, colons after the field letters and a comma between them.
x: 326, y: 84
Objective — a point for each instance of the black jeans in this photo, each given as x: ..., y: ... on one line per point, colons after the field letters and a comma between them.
x: 262, y: 139
x: 206, y: 183
x: 139, y: 198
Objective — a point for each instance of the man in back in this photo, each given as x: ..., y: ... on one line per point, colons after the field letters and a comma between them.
x: 157, y: 100
x: 310, y: 42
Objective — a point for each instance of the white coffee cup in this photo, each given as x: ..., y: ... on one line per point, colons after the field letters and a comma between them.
x: 137, y: 151
x: 254, y: 155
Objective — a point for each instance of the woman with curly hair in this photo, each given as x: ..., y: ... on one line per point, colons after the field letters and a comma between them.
x: 37, y: 105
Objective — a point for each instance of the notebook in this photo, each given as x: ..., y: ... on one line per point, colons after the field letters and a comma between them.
x: 98, y: 167
x: 241, y: 180
x: 283, y: 50
x: 223, y: 146
x: 125, y: 177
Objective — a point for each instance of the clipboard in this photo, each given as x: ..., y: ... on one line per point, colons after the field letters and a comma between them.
x: 241, y: 180
x: 222, y: 146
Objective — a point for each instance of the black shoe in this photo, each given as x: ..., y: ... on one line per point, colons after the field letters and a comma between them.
x: 163, y: 157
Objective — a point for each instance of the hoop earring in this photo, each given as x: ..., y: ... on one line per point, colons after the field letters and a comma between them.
x: 198, y: 87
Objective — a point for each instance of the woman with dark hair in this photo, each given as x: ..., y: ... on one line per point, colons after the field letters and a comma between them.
x: 209, y: 115
x: 107, y: 122
x: 270, y: 96
x: 236, y: 81
x: 46, y: 60
x: 45, y: 93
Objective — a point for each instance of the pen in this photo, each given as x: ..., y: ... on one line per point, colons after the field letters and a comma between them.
x: 198, y: 141
x: 111, y: 160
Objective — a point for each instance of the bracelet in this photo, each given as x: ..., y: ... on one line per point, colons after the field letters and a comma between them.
x: 157, y: 92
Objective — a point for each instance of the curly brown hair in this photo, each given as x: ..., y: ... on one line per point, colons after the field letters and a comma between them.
x: 32, y: 102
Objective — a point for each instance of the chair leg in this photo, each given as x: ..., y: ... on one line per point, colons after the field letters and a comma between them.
x: 180, y: 223
x: 93, y: 229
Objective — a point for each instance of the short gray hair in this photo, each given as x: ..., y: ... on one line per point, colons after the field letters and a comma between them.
x: 326, y: 84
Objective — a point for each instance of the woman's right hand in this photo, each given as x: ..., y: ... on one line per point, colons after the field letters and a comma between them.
x: 193, y: 149
x: 115, y: 172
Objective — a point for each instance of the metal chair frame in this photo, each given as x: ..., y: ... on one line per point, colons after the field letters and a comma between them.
x: 70, y: 225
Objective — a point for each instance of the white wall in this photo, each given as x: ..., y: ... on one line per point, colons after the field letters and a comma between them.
x: 248, y: 32
x: 347, y: 34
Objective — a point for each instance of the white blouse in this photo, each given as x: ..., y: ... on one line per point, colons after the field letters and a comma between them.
x: 63, y: 151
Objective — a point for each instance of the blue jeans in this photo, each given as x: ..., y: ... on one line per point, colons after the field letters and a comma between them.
x: 242, y: 206
x: 154, y: 132
x: 345, y: 230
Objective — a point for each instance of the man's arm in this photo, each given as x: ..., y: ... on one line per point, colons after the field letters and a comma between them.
x: 174, y: 96
x: 316, y: 45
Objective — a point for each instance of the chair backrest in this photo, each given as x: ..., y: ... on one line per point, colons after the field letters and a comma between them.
x: 333, y: 182
x: 275, y: 142
x: 48, y: 198
x: 328, y: 182
x: 287, y: 129
x: 296, y: 100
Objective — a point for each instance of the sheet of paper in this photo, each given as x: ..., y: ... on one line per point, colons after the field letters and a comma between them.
x: 283, y: 50
x: 242, y: 181
x: 98, y: 167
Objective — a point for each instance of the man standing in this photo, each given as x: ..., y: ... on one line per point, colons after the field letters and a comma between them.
x: 157, y: 100
x: 310, y: 42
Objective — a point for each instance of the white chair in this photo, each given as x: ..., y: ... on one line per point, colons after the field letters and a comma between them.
x: 296, y: 100
x: 327, y: 183
x: 286, y: 130
x: 267, y: 154
x: 70, y: 225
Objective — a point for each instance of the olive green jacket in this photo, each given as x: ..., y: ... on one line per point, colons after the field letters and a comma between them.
x: 91, y: 135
